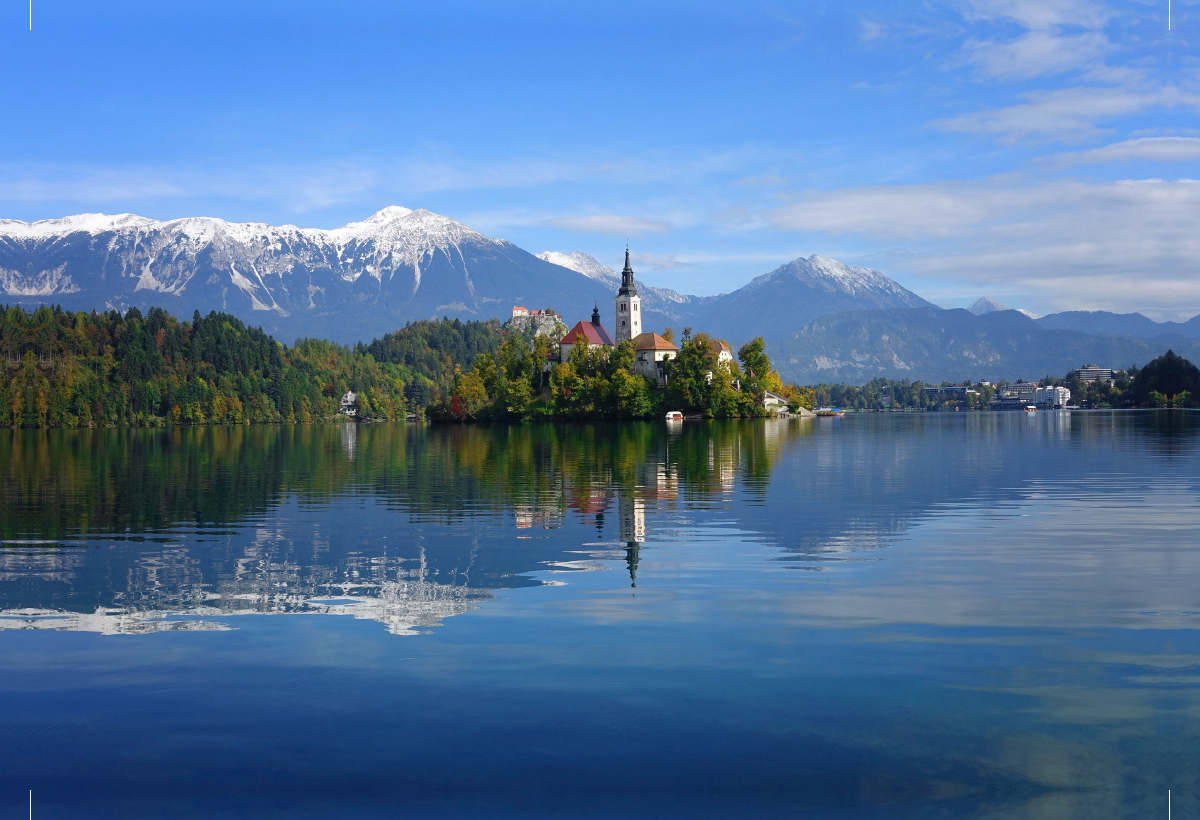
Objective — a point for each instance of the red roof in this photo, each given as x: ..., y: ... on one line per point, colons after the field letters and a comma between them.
x: 589, y: 333
x: 651, y: 341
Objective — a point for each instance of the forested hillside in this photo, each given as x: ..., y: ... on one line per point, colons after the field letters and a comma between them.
x: 66, y: 369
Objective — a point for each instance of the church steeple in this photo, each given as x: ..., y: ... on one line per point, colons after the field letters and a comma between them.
x: 629, y: 305
x: 628, y: 286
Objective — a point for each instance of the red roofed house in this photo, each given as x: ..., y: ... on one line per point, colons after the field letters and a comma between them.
x: 652, y: 351
x: 593, y: 335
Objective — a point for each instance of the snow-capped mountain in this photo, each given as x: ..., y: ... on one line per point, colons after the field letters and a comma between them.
x: 986, y: 304
x: 370, y: 277
x: 348, y: 283
x: 781, y: 302
x: 584, y: 263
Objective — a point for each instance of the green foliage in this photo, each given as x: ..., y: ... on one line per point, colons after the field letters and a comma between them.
x: 1165, y: 379
x: 601, y: 382
x: 104, y: 369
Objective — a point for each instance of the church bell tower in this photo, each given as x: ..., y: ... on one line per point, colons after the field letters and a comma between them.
x: 629, y: 305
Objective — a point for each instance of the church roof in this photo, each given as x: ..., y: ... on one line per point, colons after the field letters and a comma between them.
x: 586, y: 332
x: 651, y: 341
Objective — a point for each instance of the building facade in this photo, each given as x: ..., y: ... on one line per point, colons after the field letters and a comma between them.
x: 629, y: 305
x: 651, y: 353
x: 1090, y: 373
x: 1052, y: 397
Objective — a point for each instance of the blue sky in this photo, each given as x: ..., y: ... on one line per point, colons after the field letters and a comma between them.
x: 1039, y: 151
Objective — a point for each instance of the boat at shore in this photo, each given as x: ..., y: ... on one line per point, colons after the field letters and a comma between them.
x: 1030, y: 408
x: 830, y: 411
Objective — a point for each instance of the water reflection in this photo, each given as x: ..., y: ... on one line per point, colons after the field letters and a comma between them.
x: 996, y: 615
x: 147, y: 531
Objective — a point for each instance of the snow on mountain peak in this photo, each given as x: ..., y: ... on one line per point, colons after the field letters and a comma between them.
x: 581, y: 262
x: 163, y: 255
x: 986, y: 304
x: 832, y: 273
x: 78, y: 223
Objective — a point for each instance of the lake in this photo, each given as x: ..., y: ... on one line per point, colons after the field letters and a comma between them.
x: 880, y: 616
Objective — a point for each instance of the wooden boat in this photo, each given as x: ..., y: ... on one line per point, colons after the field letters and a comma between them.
x: 1029, y: 408
x: 831, y: 411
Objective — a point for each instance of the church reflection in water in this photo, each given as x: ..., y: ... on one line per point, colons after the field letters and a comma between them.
x: 136, y: 532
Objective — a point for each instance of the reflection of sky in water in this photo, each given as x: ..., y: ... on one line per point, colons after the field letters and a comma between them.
x: 919, y: 616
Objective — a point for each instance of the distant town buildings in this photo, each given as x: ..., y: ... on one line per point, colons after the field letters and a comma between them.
x: 952, y: 392
x: 1052, y: 397
x: 1023, y: 394
x: 1091, y: 373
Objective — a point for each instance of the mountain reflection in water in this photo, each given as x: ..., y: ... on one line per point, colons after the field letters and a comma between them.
x: 902, y: 616
x: 153, y: 525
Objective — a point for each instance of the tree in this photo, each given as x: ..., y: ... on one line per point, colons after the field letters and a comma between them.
x: 1169, y: 375
x: 669, y: 335
x: 756, y: 368
x: 519, y: 396
x: 470, y: 394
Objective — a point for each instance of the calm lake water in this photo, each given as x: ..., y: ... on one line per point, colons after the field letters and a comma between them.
x: 946, y: 615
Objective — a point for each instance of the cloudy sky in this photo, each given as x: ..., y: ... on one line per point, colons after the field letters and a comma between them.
x: 1044, y: 152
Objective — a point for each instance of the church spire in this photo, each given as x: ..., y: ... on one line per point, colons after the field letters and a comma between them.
x: 628, y: 286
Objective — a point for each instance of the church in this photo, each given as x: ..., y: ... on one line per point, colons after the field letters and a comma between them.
x: 652, y: 350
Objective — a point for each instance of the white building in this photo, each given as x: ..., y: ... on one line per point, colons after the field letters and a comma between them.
x: 349, y: 404
x: 1052, y: 397
x: 652, y: 354
x: 629, y: 305
x: 774, y: 400
x: 722, y: 354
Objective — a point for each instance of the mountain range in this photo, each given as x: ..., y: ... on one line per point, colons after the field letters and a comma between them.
x: 934, y: 345
x: 367, y: 278
x: 823, y: 320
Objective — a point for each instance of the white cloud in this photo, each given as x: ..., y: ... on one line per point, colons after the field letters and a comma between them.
x: 104, y: 188
x: 1154, y: 149
x: 1060, y: 36
x: 1126, y: 245
x: 660, y: 261
x: 612, y: 224
x: 1067, y: 113
x: 1036, y: 53
x: 1041, y: 14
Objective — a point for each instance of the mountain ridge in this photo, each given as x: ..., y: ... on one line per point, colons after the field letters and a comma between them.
x: 949, y: 345
x: 370, y: 277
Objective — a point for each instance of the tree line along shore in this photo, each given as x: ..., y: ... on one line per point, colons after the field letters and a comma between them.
x: 81, y: 369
